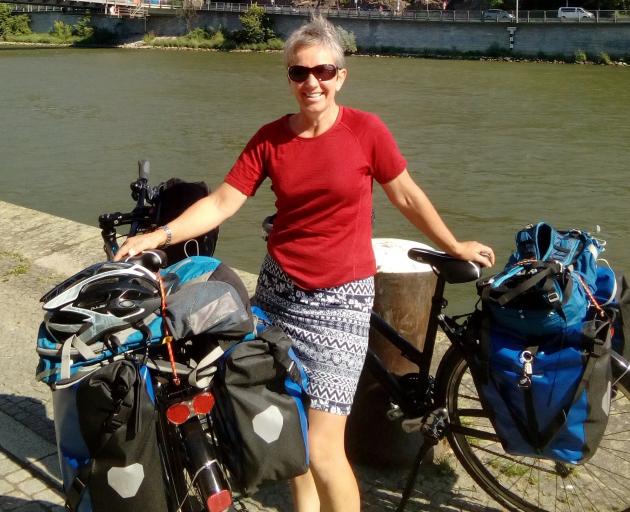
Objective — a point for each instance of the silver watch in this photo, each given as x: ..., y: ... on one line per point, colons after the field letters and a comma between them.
x: 169, y: 235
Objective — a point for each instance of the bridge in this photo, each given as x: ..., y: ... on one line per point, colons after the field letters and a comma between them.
x: 165, y: 7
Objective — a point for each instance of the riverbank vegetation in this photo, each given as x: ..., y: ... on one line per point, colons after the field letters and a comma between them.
x: 256, y: 34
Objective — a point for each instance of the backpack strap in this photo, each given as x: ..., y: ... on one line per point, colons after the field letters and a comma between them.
x: 508, y: 294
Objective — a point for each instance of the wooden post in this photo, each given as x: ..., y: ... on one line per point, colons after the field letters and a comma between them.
x: 403, y: 298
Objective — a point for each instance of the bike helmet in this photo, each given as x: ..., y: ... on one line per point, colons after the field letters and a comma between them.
x: 101, y: 299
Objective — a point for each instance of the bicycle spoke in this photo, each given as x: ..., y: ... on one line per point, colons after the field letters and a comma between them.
x: 615, y: 452
x: 602, y: 483
x: 526, y: 483
x: 575, y: 486
x: 605, y: 470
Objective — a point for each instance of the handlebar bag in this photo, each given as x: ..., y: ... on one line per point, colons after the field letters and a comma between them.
x: 262, y: 401
x: 107, y: 442
x: 175, y: 196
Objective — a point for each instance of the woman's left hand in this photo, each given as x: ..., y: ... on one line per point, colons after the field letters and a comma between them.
x: 474, y: 251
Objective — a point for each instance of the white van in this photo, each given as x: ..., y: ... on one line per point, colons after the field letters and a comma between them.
x: 574, y: 13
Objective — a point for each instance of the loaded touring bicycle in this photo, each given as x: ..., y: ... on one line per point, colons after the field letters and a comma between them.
x: 200, y: 463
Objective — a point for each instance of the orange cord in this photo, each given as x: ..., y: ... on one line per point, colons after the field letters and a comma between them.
x: 591, y: 298
x: 168, y: 339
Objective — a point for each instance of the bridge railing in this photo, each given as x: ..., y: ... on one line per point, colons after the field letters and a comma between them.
x: 529, y: 16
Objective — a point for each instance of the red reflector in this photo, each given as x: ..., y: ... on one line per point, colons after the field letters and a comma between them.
x: 178, y: 413
x: 219, y: 501
x: 203, y: 403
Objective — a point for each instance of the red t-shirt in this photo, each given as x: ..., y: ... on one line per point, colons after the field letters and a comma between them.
x: 322, y: 232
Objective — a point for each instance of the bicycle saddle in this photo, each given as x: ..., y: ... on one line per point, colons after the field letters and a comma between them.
x: 451, y: 269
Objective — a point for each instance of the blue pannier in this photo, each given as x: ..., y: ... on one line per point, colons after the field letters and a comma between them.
x: 546, y: 397
x: 541, y: 349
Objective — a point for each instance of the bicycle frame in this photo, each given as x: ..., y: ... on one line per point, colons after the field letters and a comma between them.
x: 421, y: 358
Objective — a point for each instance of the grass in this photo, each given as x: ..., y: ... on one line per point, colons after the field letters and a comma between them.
x: 19, y: 264
x: 509, y: 468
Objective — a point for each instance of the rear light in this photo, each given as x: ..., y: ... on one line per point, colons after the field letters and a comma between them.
x: 203, y: 403
x: 180, y: 412
x: 220, y: 501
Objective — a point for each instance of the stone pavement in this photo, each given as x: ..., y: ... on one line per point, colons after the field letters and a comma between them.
x: 36, y: 252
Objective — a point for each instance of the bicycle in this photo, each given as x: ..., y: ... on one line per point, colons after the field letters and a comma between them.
x: 195, y: 476
x: 448, y: 405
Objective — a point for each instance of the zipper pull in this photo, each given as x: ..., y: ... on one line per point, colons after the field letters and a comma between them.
x: 526, y: 359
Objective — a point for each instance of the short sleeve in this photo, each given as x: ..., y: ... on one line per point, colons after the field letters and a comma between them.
x: 387, y: 162
x: 248, y: 172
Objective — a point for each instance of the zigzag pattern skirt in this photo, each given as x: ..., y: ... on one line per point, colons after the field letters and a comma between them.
x: 329, y: 328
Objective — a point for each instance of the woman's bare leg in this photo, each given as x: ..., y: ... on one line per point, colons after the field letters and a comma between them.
x: 331, y: 473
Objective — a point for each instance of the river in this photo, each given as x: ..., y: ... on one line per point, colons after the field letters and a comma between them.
x: 496, y: 145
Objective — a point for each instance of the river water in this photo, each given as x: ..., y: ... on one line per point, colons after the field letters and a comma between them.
x: 496, y: 145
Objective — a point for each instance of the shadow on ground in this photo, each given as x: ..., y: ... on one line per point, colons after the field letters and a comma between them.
x: 19, y: 505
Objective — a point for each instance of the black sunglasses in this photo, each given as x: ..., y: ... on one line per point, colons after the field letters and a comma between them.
x: 322, y: 72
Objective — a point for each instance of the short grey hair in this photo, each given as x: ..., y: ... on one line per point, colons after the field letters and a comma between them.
x: 317, y: 32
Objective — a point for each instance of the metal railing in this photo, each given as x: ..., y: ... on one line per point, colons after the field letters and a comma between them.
x: 530, y: 16
x: 428, y: 15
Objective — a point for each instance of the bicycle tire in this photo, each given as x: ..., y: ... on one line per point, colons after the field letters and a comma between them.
x: 177, y: 479
x: 525, y: 483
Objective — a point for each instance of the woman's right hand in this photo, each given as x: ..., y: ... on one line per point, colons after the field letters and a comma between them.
x: 136, y: 244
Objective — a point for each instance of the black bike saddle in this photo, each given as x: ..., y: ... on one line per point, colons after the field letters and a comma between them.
x: 451, y: 269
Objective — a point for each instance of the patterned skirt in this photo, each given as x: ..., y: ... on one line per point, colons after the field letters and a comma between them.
x: 329, y: 328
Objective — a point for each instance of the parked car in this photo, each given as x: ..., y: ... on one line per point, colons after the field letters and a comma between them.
x: 574, y: 13
x: 496, y: 15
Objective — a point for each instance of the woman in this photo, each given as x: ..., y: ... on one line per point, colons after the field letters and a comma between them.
x: 317, y: 280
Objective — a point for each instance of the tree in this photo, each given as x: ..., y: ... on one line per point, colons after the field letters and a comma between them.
x: 257, y: 26
x: 13, y: 25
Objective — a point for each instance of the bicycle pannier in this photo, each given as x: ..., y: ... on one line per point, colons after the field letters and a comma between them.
x: 540, y: 353
x: 547, y: 397
x: 107, y: 444
x: 264, y: 404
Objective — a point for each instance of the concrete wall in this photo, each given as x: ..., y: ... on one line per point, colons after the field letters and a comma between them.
x: 530, y: 38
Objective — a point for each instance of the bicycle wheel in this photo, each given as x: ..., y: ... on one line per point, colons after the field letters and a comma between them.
x: 526, y: 483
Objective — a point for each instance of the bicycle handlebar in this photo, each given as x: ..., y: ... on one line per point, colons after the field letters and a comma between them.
x: 141, y: 218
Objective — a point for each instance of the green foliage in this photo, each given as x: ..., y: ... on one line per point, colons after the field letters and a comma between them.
x: 198, y: 34
x: 580, y: 56
x: 257, y: 26
x: 197, y: 38
x: 348, y: 41
x: 83, y: 29
x: 604, y: 58
x: 148, y: 38
x: 61, y: 30
x: 13, y: 25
